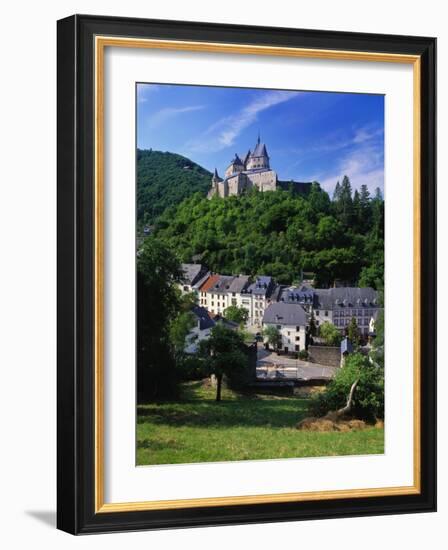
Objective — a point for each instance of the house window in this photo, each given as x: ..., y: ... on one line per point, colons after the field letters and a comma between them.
x: 326, y: 314
x: 297, y: 338
x: 297, y: 329
x: 289, y: 333
x: 317, y: 312
x: 317, y: 323
x: 297, y: 347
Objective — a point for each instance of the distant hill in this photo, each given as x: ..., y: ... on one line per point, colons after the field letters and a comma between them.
x: 164, y: 180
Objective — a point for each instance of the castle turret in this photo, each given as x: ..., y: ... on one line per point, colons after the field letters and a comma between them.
x: 259, y: 158
x: 216, y: 180
x: 235, y: 166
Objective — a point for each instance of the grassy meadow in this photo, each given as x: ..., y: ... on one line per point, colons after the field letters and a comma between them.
x: 240, y: 427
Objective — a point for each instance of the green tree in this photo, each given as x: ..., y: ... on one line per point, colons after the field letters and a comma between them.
x: 158, y: 271
x: 224, y: 353
x: 312, y: 330
x: 368, y: 396
x: 353, y: 331
x: 337, y: 192
x: 236, y: 314
x: 345, y: 202
x: 272, y: 336
x: 179, y: 329
x: 330, y: 334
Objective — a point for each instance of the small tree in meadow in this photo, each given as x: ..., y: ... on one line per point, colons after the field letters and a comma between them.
x: 224, y: 355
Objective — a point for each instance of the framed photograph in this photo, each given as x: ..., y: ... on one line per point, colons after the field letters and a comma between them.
x: 246, y: 274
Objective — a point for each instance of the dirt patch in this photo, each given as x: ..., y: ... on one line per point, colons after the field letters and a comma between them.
x: 329, y: 424
x: 308, y: 391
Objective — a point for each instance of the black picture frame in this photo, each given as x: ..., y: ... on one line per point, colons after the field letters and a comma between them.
x: 76, y: 255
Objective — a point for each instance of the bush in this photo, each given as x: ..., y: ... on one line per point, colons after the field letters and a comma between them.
x: 303, y: 354
x: 368, y: 398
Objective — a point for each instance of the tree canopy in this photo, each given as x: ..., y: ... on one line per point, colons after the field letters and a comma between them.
x: 281, y: 234
x: 166, y: 179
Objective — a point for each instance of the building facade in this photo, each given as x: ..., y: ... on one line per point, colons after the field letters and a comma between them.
x: 291, y: 321
x: 333, y: 305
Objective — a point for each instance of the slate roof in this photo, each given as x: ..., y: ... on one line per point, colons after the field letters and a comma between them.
x: 260, y: 150
x: 297, y: 295
x: 279, y: 313
x: 239, y: 283
x: 334, y: 298
x: 192, y: 272
x: 203, y: 316
x: 263, y: 286
x: 197, y: 285
x: 236, y: 160
x: 222, y: 285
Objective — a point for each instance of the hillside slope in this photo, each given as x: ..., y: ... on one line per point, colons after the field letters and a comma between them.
x: 164, y: 180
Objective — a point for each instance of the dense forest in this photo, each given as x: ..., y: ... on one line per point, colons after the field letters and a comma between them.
x: 282, y: 234
x: 166, y: 179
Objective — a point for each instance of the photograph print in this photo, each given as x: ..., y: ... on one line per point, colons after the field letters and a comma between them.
x: 260, y: 274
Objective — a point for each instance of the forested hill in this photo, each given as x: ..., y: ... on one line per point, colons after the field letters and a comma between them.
x: 166, y: 179
x: 281, y: 233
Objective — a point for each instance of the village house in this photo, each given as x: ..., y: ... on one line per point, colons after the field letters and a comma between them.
x: 194, y: 275
x: 339, y: 305
x: 333, y: 305
x: 291, y: 321
x: 200, y: 331
x: 303, y: 295
x: 260, y: 294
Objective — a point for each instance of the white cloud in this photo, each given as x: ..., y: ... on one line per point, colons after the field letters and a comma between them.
x: 223, y: 133
x: 169, y: 112
x: 363, y: 165
x: 145, y: 90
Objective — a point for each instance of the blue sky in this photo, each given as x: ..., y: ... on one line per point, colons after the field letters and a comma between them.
x: 309, y: 135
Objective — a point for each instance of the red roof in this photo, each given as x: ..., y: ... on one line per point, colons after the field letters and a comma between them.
x: 209, y: 283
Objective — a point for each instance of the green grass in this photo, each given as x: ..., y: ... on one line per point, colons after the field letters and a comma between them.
x: 198, y: 429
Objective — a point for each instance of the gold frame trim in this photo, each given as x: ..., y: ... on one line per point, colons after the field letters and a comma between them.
x: 101, y: 42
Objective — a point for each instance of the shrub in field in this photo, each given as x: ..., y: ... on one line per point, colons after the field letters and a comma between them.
x: 368, y: 396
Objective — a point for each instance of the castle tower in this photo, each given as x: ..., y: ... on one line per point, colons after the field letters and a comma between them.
x: 216, y: 180
x: 259, y: 159
x: 235, y: 166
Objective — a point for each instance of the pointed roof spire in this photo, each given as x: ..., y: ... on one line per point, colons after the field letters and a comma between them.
x: 216, y: 173
x: 236, y: 160
x: 258, y: 140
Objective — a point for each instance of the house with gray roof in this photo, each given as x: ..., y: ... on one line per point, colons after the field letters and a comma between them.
x: 302, y: 295
x: 339, y: 305
x: 200, y: 331
x: 261, y: 294
x: 291, y: 321
x: 192, y: 275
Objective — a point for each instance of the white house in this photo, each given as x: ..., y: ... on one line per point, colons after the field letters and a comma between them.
x: 201, y: 330
x: 291, y: 321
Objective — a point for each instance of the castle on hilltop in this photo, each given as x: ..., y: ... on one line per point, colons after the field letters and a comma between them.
x: 253, y: 170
